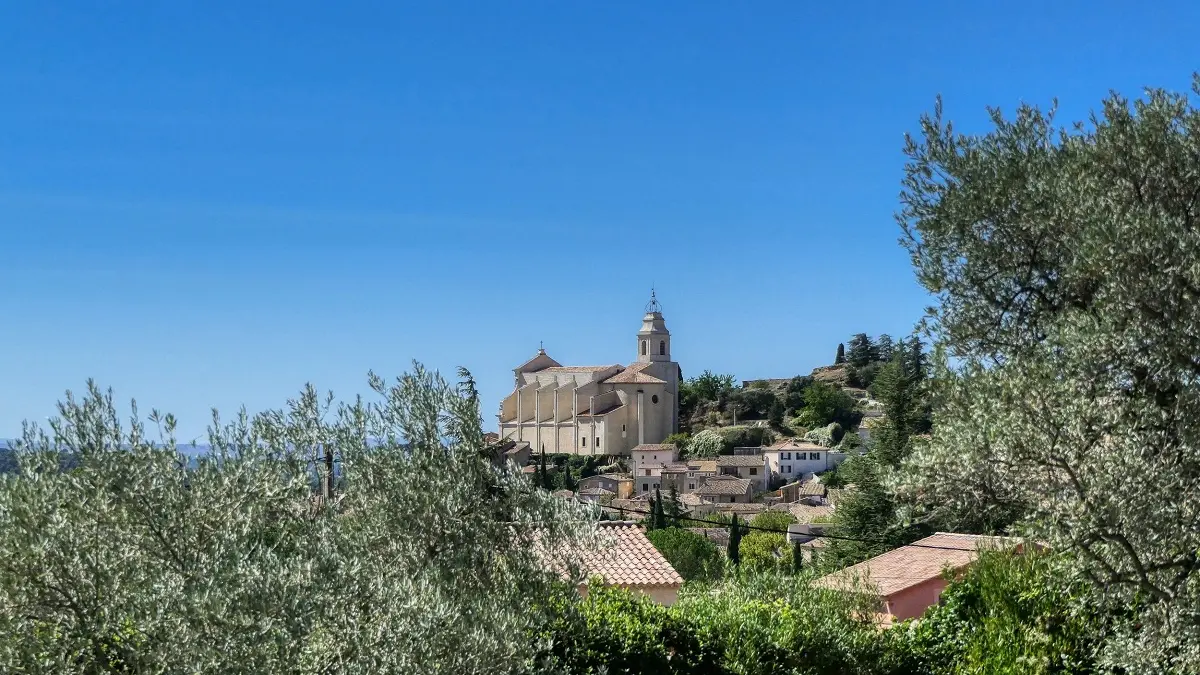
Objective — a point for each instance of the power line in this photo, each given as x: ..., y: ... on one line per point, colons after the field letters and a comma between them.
x: 748, y: 526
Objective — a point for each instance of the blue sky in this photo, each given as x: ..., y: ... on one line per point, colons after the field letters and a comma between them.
x: 211, y: 203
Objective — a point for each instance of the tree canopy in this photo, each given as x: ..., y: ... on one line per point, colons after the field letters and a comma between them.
x: 133, y: 562
x: 1067, y: 329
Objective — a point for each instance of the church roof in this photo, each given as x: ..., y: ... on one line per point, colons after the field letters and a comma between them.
x: 577, y: 369
x: 541, y: 357
x: 634, y: 375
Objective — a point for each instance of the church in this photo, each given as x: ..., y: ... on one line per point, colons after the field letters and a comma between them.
x: 597, y: 410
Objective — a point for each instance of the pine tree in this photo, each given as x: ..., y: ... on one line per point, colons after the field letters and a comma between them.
x: 735, y: 541
x: 797, y: 557
x: 841, y: 355
x: 859, y: 353
x: 884, y: 348
x: 775, y: 415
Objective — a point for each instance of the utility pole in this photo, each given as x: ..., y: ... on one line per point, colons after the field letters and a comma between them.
x: 327, y: 488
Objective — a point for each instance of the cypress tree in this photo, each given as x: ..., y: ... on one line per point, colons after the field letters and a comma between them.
x: 841, y: 354
x: 659, y: 516
x: 735, y: 541
x: 676, y: 510
x: 797, y: 557
x: 546, y: 482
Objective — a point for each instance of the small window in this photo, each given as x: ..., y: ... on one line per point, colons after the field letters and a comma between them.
x: 814, y: 455
x: 753, y: 471
x: 647, y: 472
x: 731, y: 500
x: 654, y: 398
x: 645, y: 487
x: 787, y: 468
x: 583, y: 441
x: 662, y: 347
x: 622, y: 427
x: 691, y: 486
x: 645, y: 347
x: 787, y: 455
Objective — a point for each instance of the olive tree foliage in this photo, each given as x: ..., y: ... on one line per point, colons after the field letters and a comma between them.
x: 426, y: 561
x: 1066, y: 267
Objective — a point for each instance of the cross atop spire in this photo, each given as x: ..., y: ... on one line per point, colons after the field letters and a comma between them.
x: 653, y: 307
x: 541, y: 347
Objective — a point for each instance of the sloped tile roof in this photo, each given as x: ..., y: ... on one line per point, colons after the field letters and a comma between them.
x: 717, y: 535
x: 578, y: 369
x: 704, y: 465
x: 634, y: 375
x: 740, y: 460
x: 725, y: 486
x: 910, y: 565
x: 596, y: 492
x: 807, y: 514
x: 654, y: 447
x: 810, y: 488
x: 792, y: 444
x: 629, y: 559
x: 740, y: 508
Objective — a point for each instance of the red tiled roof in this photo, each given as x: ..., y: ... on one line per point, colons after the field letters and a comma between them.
x: 629, y: 559
x: 910, y: 565
x: 793, y: 444
x: 578, y: 369
x: 634, y: 375
x: 740, y: 460
x: 654, y: 447
x: 725, y: 486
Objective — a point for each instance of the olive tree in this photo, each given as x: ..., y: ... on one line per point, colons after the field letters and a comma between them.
x: 430, y: 557
x: 1066, y: 268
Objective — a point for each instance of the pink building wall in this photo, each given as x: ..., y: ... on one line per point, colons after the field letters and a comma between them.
x: 914, y: 600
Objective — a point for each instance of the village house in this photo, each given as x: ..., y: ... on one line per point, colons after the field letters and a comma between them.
x: 648, y: 456
x: 727, y: 489
x: 751, y: 467
x: 795, y: 491
x: 909, y: 579
x: 794, y: 460
x: 618, y: 484
x: 596, y: 495
x: 597, y: 410
x: 630, y: 561
x: 687, y: 477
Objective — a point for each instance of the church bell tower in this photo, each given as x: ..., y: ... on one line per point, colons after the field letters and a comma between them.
x: 654, y: 340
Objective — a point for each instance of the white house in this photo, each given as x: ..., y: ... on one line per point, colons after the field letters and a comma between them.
x: 793, y: 460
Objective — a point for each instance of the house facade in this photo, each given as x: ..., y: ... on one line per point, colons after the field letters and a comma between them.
x: 597, y: 410
x: 792, y: 460
x: 750, y: 467
x: 618, y: 484
x: 727, y: 490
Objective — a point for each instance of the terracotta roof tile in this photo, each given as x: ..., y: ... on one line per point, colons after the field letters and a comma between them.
x: 634, y: 375
x: 577, y: 369
x: 629, y: 559
x: 655, y: 447
x: 740, y: 460
x: 807, y: 514
x: 596, y: 492
x: 725, y: 486
x: 792, y: 444
x: 907, y: 566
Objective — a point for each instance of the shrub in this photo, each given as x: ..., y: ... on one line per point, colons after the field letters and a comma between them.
x: 693, y: 555
x: 773, y: 520
x: 746, y: 437
x: 707, y: 443
x: 827, y: 436
x: 1009, y: 613
x: 764, y: 551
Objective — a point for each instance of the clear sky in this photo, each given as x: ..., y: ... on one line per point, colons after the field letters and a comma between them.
x: 211, y: 203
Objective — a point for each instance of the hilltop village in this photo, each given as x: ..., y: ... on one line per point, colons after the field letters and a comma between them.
x: 705, y: 449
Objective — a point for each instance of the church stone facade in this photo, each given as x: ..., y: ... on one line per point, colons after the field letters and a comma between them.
x: 597, y: 410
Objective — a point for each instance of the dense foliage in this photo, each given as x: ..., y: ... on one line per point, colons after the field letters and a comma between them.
x: 1063, y: 261
x: 692, y: 555
x: 131, y: 562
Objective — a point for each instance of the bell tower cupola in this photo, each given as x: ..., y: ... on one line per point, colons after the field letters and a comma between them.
x: 654, y: 340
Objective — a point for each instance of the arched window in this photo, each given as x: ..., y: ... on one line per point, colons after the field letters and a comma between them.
x: 662, y: 347
x: 645, y: 347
